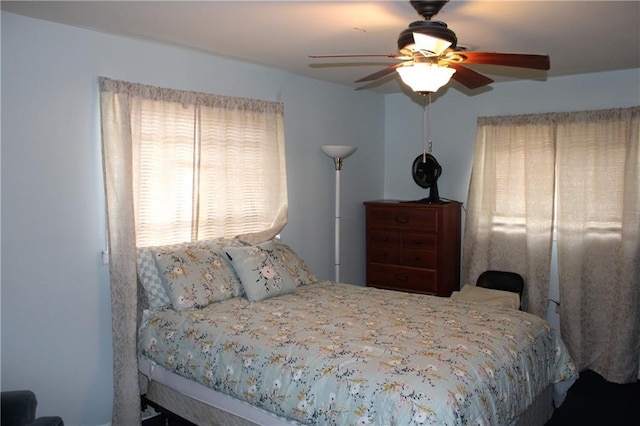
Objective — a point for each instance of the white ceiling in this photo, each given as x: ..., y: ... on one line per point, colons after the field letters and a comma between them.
x: 579, y: 36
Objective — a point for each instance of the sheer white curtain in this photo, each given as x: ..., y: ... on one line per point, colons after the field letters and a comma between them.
x: 594, y: 160
x: 181, y: 166
x: 598, y: 224
x: 510, y: 205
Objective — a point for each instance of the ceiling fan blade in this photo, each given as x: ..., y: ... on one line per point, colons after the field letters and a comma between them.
x: 379, y: 74
x: 360, y: 55
x: 469, y: 77
x: 538, y: 62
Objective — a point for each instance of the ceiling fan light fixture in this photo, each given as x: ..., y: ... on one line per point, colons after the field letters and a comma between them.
x: 425, y: 77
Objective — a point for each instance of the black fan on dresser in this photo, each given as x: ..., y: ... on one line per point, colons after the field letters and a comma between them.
x: 426, y: 170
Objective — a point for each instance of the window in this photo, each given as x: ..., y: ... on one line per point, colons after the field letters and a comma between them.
x: 203, y: 166
x: 578, y: 175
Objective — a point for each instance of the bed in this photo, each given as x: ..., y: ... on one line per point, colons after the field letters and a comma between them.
x: 265, y: 342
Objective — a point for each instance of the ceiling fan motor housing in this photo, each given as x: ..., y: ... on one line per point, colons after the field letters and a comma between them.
x: 436, y: 29
x: 428, y: 8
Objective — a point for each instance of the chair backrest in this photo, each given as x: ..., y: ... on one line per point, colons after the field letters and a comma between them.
x: 502, y: 280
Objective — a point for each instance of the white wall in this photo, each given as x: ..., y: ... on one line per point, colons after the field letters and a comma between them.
x: 56, y: 323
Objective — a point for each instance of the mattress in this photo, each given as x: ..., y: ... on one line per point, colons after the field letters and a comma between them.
x: 341, y: 354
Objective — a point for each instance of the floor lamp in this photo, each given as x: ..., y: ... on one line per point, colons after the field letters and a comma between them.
x: 338, y: 153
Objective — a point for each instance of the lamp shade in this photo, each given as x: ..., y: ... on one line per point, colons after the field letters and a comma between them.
x: 425, y: 77
x: 338, y: 151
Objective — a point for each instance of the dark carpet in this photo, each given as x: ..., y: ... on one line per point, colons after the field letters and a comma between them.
x: 594, y: 401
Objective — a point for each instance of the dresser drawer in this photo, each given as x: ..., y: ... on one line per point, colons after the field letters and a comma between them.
x: 385, y: 254
x: 420, y: 241
x: 385, y: 238
x: 401, y: 278
x: 427, y: 259
x: 393, y: 218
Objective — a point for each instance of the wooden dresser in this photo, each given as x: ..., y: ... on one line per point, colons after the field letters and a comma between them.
x: 413, y: 247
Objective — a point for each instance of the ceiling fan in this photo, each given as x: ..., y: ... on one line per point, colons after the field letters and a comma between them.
x: 430, y: 55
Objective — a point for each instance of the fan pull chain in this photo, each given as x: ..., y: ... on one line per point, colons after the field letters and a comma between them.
x: 430, y: 141
x: 424, y: 132
x: 426, y: 128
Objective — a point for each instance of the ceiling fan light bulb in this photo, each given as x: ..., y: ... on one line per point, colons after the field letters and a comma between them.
x: 424, y: 77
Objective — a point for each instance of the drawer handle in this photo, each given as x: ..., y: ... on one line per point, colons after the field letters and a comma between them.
x: 403, y: 219
x: 402, y: 278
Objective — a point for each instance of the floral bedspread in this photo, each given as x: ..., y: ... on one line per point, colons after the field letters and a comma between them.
x: 337, y: 354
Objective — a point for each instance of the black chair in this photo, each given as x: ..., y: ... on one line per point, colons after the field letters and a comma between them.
x: 19, y: 409
x: 502, y: 280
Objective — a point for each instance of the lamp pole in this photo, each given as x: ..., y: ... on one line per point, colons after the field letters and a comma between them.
x: 338, y: 153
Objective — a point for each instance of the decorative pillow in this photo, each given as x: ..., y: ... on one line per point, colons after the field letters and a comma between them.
x: 261, y: 271
x: 301, y: 274
x: 150, y: 278
x: 220, y: 245
x: 194, y: 276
